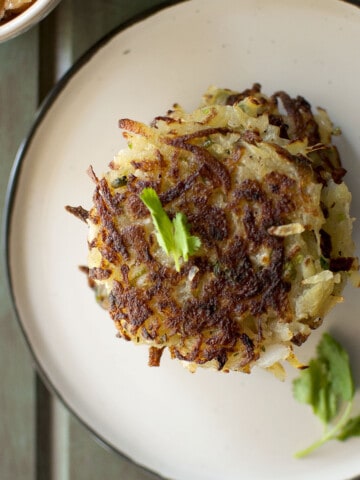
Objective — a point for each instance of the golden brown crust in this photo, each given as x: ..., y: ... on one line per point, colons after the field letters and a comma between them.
x: 238, y: 192
x: 79, y: 212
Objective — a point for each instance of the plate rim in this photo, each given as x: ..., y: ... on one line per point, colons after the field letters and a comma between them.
x: 10, y: 197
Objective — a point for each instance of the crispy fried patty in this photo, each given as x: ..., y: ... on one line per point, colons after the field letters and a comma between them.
x: 262, y: 187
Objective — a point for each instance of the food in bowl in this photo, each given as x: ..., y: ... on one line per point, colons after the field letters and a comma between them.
x: 10, y: 9
x: 224, y: 234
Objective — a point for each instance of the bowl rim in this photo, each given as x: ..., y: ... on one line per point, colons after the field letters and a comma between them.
x: 26, y: 19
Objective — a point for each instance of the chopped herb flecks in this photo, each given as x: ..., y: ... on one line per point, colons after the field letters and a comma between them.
x: 119, y: 182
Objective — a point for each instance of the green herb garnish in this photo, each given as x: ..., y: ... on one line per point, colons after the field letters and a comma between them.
x: 327, y: 385
x: 173, y: 236
x: 119, y: 182
x: 324, y: 263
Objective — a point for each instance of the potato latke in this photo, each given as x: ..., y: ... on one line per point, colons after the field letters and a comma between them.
x: 261, y: 186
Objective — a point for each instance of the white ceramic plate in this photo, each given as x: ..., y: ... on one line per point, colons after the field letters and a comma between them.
x: 208, y: 425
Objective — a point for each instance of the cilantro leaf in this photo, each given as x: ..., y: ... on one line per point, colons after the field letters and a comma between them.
x: 162, y: 223
x: 173, y: 236
x: 327, y: 385
x: 313, y: 387
x: 303, y: 386
x: 186, y: 243
x: 350, y: 429
x: 337, y: 359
